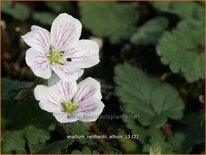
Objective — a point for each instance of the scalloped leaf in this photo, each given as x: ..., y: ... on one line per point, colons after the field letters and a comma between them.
x: 109, y: 19
x: 150, y: 32
x: 183, y: 50
x: 24, y: 123
x: 153, y: 100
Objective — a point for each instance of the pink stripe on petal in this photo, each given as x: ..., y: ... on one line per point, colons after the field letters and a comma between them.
x: 88, y: 110
x: 53, y: 103
x: 88, y: 88
x: 46, y: 100
x: 79, y: 94
x: 65, y: 31
x: 86, y: 106
x: 38, y: 38
x: 63, y: 90
x: 39, y: 63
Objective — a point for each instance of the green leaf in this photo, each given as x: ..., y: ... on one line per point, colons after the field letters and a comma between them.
x: 24, y: 124
x: 13, y: 141
x: 184, y: 10
x: 16, y: 141
x: 16, y: 10
x: 150, y: 32
x: 10, y: 87
x: 44, y: 17
x: 157, y: 144
x: 55, y: 147
x: 109, y: 19
x: 183, y: 50
x: 153, y: 100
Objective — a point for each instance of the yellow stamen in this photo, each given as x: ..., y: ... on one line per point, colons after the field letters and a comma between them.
x: 70, y: 107
x: 55, y: 57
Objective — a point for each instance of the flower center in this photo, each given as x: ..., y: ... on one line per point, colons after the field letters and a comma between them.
x: 70, y: 107
x: 55, y: 57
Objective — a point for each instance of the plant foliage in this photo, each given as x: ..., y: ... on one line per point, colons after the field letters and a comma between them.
x: 116, y: 24
x: 183, y: 50
x: 153, y: 100
x: 150, y: 32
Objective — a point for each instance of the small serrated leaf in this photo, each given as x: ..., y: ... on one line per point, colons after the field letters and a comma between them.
x: 153, y: 100
x: 183, y: 49
x: 24, y: 124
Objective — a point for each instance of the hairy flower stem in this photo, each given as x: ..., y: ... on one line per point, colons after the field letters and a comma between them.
x: 65, y: 127
x: 25, y: 93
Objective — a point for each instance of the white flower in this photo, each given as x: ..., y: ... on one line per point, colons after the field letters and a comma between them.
x: 70, y: 102
x: 61, y: 50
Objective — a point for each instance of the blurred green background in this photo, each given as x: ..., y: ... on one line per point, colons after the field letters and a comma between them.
x: 151, y: 72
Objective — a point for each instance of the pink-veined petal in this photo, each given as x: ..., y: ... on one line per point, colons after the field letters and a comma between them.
x: 39, y: 63
x: 48, y: 100
x: 67, y: 72
x: 88, y: 88
x: 63, y: 117
x: 85, y: 54
x: 38, y: 38
x: 65, y: 31
x: 90, y: 109
x: 63, y: 89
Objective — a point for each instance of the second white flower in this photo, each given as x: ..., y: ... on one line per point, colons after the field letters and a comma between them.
x: 70, y: 102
